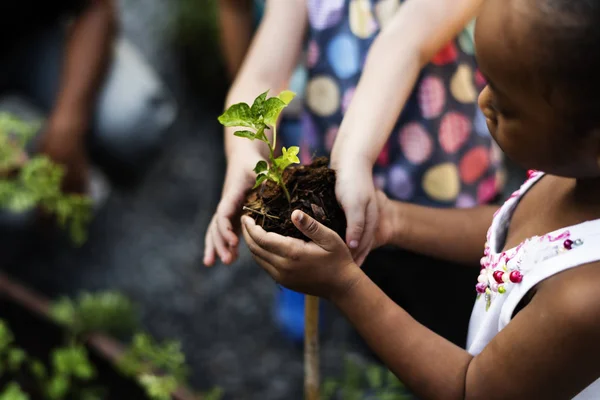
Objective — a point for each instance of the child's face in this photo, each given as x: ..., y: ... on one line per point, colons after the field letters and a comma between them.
x: 526, y: 124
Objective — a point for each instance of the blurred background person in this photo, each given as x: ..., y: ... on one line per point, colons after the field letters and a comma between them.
x: 103, y: 105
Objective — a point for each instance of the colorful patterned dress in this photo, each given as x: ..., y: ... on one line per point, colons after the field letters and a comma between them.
x: 440, y: 152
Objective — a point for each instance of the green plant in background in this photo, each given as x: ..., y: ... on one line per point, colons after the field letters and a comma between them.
x: 262, y: 115
x: 31, y: 183
x: 159, y: 368
x: 359, y: 383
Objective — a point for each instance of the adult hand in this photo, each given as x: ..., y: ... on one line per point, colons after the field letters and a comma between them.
x: 355, y: 191
x: 221, y: 238
x: 64, y: 142
x: 323, y: 267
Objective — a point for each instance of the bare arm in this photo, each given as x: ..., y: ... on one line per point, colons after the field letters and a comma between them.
x: 270, y: 62
x: 235, y: 19
x: 417, y: 31
x: 549, y: 350
x: 87, y: 55
x: 455, y: 235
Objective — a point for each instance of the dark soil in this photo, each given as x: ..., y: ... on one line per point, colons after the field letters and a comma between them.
x: 312, y: 190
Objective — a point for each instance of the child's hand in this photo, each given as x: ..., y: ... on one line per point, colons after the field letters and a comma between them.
x: 323, y: 267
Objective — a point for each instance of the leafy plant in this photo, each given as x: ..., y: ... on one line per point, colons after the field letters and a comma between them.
x: 109, y: 312
x: 145, y: 356
x: 261, y: 116
x: 159, y: 368
x: 31, y: 183
x: 372, y: 382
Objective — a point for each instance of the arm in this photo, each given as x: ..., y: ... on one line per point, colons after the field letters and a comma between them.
x: 547, y: 351
x: 392, y: 69
x: 270, y: 62
x: 415, y: 33
x: 87, y: 54
x: 235, y: 18
x: 456, y: 235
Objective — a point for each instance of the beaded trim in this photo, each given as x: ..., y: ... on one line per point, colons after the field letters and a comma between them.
x: 496, y: 276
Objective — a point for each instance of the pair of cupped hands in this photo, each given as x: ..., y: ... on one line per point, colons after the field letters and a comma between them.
x: 327, y: 266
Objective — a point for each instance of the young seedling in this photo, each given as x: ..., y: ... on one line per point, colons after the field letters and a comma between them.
x: 261, y: 116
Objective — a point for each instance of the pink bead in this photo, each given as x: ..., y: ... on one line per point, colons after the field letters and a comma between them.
x: 494, y: 287
x: 480, y: 287
x: 568, y: 244
x: 498, y: 276
x: 530, y: 173
x: 516, y: 277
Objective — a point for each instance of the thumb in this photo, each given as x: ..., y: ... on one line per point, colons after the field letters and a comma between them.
x: 355, y: 216
x: 312, y: 229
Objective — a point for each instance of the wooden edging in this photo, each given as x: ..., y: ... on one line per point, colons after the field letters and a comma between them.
x: 108, y: 348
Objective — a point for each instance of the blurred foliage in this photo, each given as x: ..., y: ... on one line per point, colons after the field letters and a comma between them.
x: 370, y: 382
x: 29, y: 183
x: 159, y: 368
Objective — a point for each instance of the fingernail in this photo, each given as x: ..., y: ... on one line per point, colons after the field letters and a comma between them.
x: 300, y: 216
x: 353, y: 244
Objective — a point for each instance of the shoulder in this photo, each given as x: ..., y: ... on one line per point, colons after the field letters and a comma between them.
x: 574, y: 296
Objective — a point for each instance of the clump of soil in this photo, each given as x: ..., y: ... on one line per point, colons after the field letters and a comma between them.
x: 312, y: 190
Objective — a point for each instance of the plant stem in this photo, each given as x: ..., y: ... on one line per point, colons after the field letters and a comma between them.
x: 287, y: 194
x: 311, y: 348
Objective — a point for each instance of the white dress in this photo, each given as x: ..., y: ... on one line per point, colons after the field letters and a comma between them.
x: 521, y: 268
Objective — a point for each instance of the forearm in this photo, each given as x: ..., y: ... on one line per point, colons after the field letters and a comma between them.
x: 235, y: 18
x: 87, y: 55
x: 268, y: 66
x: 386, y: 83
x: 456, y: 235
x: 392, y: 70
x: 432, y: 367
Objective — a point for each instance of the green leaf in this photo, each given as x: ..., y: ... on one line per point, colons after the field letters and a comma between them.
x: 238, y: 115
x: 375, y: 377
x: 214, y: 394
x: 261, y: 166
x: 73, y: 361
x: 15, y: 359
x: 58, y: 387
x: 6, y: 337
x: 259, y: 180
x: 38, y: 369
x: 258, y: 107
x: 287, y: 158
x: 328, y: 389
x: 260, y: 134
x: 286, y: 96
x: 246, y: 134
x: 158, y: 387
x: 273, y: 107
x: 13, y: 391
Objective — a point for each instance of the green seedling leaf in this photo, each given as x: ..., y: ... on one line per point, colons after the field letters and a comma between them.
x: 238, y: 115
x: 261, y: 167
x: 258, y: 107
x: 246, y: 134
x: 287, y: 158
x: 6, y: 337
x: 286, y: 96
x: 38, y: 369
x: 259, y: 180
x: 273, y: 107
